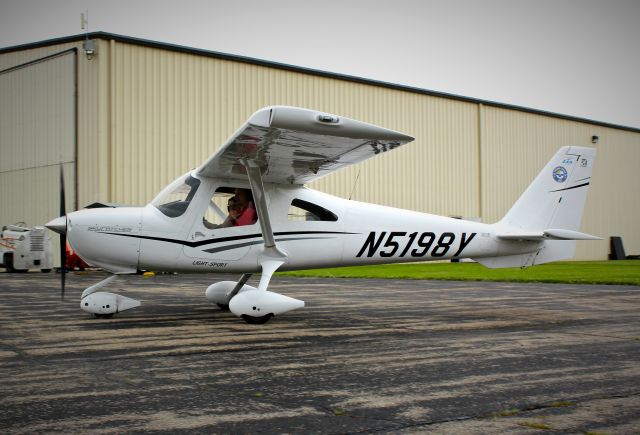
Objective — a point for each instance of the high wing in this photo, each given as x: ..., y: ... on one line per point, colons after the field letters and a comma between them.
x: 296, y: 146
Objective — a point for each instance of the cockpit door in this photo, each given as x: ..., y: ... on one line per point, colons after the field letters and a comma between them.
x: 225, y: 229
x: 223, y: 244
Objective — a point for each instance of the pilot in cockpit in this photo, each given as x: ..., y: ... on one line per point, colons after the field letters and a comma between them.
x: 244, y: 212
x: 241, y: 211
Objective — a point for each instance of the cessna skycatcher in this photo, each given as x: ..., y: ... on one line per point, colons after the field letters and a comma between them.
x: 246, y: 210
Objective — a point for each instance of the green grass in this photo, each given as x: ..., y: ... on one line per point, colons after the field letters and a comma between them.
x: 625, y: 272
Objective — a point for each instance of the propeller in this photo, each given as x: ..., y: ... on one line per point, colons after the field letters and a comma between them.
x: 63, y: 235
x: 59, y: 225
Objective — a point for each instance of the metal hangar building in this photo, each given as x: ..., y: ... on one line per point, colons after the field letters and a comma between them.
x: 126, y: 116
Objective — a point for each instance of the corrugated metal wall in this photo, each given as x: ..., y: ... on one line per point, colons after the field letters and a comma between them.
x: 49, y: 111
x: 146, y: 115
x: 37, y: 133
x: 92, y: 84
x: 172, y: 110
x: 515, y: 147
x: 613, y: 207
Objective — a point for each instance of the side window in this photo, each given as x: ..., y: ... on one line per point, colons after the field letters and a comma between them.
x: 301, y: 210
x: 230, y: 207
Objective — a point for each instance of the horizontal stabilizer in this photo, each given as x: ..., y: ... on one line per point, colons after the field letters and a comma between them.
x: 550, y: 234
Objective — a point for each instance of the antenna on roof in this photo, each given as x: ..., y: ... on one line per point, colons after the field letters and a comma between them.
x: 84, y: 21
x: 88, y: 45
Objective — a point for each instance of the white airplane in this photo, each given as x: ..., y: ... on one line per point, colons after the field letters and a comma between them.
x: 260, y: 172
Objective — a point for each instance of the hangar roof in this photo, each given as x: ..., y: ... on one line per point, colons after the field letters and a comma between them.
x: 345, y: 77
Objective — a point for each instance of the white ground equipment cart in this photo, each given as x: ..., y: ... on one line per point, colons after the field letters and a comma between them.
x: 23, y: 248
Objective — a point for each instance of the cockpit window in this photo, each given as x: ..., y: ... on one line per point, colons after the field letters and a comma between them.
x: 230, y: 207
x: 177, y: 197
x: 301, y: 210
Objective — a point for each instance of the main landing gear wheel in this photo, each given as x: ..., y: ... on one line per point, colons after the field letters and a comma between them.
x: 223, y: 307
x: 257, y: 320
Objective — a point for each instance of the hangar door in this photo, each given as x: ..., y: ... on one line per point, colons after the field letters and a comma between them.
x: 37, y: 133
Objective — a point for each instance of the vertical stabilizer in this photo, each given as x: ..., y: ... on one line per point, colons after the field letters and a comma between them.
x: 544, y: 222
x: 557, y: 196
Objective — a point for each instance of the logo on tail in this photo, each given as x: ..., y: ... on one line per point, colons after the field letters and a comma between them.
x: 560, y: 174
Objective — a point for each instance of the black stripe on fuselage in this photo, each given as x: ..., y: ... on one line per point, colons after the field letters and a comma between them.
x: 257, y: 242
x: 225, y: 239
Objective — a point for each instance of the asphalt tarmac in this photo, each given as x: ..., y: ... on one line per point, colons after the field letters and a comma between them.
x: 364, y: 356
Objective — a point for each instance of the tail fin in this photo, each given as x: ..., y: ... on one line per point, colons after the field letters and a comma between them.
x: 549, y: 211
x: 556, y: 197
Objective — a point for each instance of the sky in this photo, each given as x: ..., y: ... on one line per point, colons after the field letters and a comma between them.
x: 573, y: 57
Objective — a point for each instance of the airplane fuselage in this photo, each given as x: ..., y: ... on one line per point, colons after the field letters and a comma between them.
x: 344, y: 232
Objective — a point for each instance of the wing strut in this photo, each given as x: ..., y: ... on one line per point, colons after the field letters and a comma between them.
x: 271, y: 257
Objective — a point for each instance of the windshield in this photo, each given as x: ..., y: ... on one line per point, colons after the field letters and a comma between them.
x: 175, y: 198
